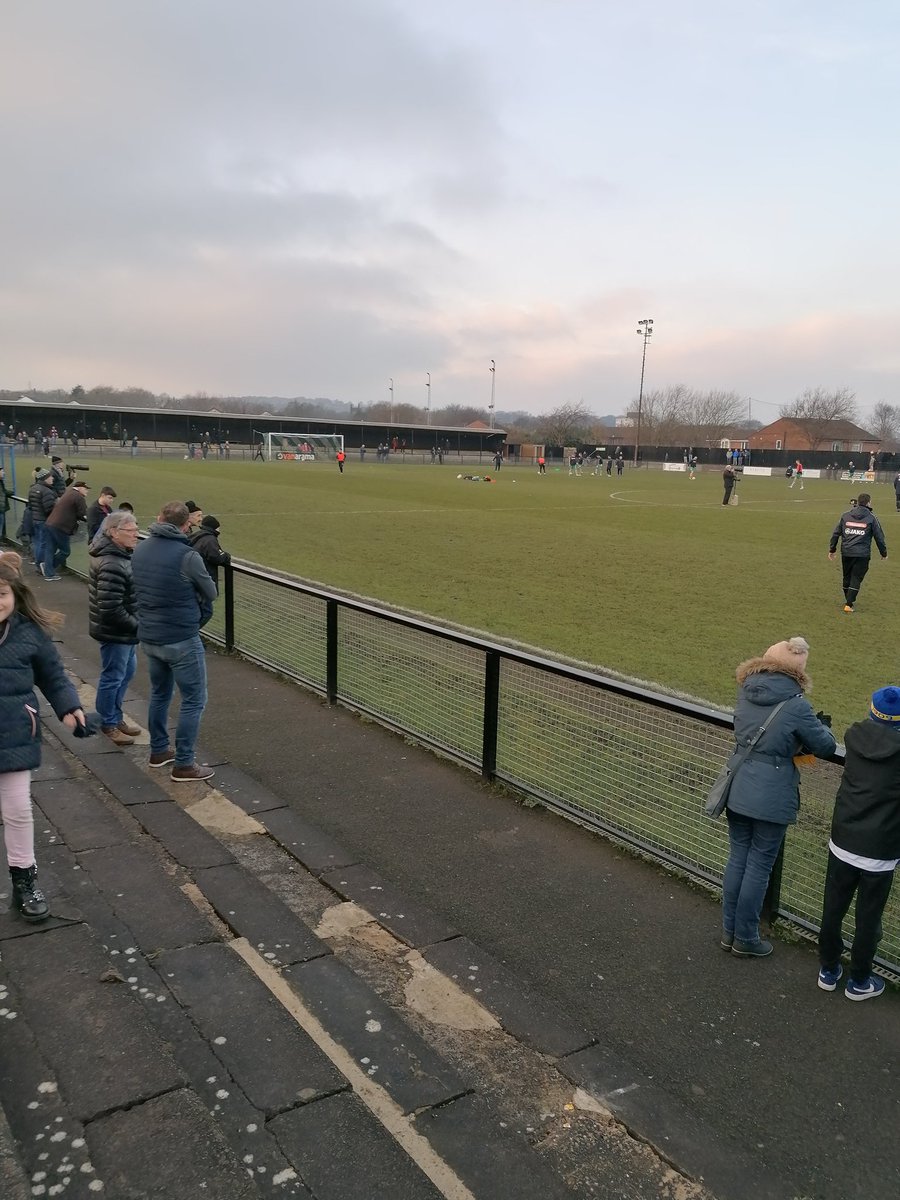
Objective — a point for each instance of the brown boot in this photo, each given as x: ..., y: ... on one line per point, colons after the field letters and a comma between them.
x: 116, y: 736
x: 191, y: 773
x: 129, y: 730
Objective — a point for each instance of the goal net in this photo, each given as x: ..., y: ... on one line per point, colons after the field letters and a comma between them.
x: 303, y: 447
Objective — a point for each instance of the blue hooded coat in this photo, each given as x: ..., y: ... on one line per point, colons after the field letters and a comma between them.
x: 767, y: 786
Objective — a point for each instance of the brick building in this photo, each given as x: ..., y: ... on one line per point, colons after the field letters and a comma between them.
x: 792, y: 433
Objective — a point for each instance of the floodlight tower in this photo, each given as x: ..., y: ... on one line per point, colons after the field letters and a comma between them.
x: 644, y: 330
x: 427, y: 397
x: 491, y: 405
x: 391, y: 390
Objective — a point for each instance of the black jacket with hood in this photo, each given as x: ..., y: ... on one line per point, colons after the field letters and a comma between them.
x: 867, y: 809
x: 855, y: 531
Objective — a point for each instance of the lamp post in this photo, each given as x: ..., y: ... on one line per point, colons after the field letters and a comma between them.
x: 491, y: 405
x: 427, y: 397
x: 391, y: 390
x: 644, y: 330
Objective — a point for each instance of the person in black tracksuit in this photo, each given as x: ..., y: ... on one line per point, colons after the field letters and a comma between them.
x: 728, y: 479
x: 855, y: 530
x: 864, y: 847
x: 897, y: 489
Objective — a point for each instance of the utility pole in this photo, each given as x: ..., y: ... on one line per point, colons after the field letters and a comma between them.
x: 644, y: 330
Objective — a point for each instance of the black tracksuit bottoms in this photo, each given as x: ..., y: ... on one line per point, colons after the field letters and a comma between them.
x: 854, y: 573
x: 872, y: 890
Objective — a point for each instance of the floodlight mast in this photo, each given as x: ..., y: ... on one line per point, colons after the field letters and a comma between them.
x: 644, y: 330
x: 427, y: 397
x: 491, y: 405
x: 391, y: 390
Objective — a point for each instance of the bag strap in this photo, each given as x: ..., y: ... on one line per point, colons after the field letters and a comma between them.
x: 745, y: 750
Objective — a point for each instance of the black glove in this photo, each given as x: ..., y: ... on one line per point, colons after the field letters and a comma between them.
x: 89, y: 728
x: 824, y: 717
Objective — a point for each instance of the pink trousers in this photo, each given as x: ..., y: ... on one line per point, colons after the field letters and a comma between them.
x: 18, y: 819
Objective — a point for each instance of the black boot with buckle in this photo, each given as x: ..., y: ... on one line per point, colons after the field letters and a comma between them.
x: 27, y: 897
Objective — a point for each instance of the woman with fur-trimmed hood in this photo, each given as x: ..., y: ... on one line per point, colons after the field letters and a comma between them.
x: 765, y: 793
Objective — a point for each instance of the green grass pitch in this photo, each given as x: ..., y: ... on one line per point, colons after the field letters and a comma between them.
x: 647, y: 575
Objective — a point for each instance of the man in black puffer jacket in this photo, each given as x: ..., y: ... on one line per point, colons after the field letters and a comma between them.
x: 865, y: 846
x: 113, y: 620
x: 41, y: 499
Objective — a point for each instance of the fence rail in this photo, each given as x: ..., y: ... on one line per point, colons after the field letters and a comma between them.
x: 626, y: 761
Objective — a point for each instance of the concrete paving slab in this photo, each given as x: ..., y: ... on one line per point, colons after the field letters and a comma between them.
x: 729, y: 1170
x: 242, y: 1125
x: 521, y: 1012
x: 14, y: 1183
x: 316, y: 850
x: 86, y: 749
x: 53, y: 766
x: 80, y: 816
x: 495, y: 1162
x: 186, y: 841
x: 244, y: 791
x: 41, y: 1134
x: 391, y: 1052
x: 273, y: 1060
x: 124, y: 778
x: 140, y: 892
x: 343, y: 1153
x: 171, y: 1142
x: 97, y: 1040
x: 254, y: 912
x: 409, y: 920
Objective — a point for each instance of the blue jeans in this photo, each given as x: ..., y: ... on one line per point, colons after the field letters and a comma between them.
x: 184, y: 664
x: 118, y: 663
x: 754, y: 848
x: 37, y: 541
x: 55, y: 550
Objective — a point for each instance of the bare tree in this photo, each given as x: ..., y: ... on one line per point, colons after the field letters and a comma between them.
x: 884, y: 424
x: 817, y: 408
x: 714, y: 413
x: 457, y: 414
x: 664, y: 414
x: 565, y: 426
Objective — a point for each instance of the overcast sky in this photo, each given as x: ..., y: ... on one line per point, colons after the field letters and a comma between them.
x: 311, y: 197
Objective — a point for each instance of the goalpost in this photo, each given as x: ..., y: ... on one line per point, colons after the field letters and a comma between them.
x: 302, y: 447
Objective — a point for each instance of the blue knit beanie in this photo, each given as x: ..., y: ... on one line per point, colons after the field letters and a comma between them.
x: 885, y: 706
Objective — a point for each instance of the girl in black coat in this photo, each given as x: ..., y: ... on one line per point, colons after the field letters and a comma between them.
x: 28, y: 659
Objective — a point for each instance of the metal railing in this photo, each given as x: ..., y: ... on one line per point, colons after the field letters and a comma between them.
x: 628, y: 762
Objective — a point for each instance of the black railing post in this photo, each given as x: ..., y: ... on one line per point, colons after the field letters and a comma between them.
x: 491, y: 715
x: 331, y: 650
x: 229, y: 607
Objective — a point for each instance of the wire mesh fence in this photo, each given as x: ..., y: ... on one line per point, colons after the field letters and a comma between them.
x: 630, y: 763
